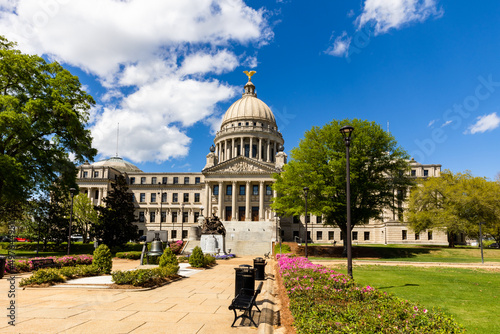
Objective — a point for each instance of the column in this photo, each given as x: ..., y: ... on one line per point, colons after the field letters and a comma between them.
x: 247, y: 203
x: 233, y: 149
x: 274, y: 156
x: 217, y: 151
x: 268, y: 150
x: 209, y: 200
x: 242, y: 152
x: 233, y: 202
x: 221, y: 198
x: 261, y: 200
x: 227, y: 151
x: 251, y: 148
x: 260, y: 150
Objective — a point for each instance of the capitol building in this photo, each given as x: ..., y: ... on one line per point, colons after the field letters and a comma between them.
x: 235, y: 185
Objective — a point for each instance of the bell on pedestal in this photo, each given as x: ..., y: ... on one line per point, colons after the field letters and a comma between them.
x: 156, y: 248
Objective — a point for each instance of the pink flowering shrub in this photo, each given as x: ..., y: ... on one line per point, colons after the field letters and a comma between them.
x: 176, y: 247
x: 24, y: 265
x: 324, y: 301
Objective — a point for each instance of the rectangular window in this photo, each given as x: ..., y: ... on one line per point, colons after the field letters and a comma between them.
x: 164, y: 180
x: 186, y: 180
x: 242, y: 189
x: 241, y: 213
x: 132, y: 180
x: 197, y: 197
x: 404, y: 234
x: 196, y: 216
x: 296, y: 219
x: 176, y: 180
x: 417, y: 236
x: 186, y: 197
x: 255, y: 190
x: 367, y: 236
x: 354, y: 235
x: 173, y: 234
x: 184, y: 234
x: 229, y: 190
x: 164, y: 197
x: 426, y: 172
x: 163, y: 216
x: 96, y: 174
x: 153, y: 180
x: 142, y: 197
x: 153, y: 197
x: 269, y: 191
x: 413, y: 172
x: 429, y: 235
x: 319, y: 219
x: 185, y: 216
x: 85, y: 174
x: 319, y: 235
x: 141, y: 216
x: 96, y: 195
x: 152, y: 217
x: 175, y: 198
x: 196, y: 180
x: 174, y: 217
x: 229, y: 213
x: 330, y: 235
x: 215, y: 190
x: 143, y: 180
x: 255, y: 213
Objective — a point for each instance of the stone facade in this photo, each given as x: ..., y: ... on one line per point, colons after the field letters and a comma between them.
x: 235, y: 185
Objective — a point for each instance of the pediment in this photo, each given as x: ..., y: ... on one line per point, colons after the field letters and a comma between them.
x: 240, y: 165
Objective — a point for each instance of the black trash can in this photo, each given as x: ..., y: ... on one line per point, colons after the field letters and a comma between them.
x: 260, y: 268
x: 3, y: 260
x: 245, y: 278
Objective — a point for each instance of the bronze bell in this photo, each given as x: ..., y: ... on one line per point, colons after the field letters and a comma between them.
x: 156, y: 248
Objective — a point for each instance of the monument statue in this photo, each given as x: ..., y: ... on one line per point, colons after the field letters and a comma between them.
x: 213, y: 225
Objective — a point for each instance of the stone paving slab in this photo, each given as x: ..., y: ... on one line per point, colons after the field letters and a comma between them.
x: 197, y: 304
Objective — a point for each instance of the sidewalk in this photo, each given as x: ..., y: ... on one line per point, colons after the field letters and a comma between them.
x: 197, y: 304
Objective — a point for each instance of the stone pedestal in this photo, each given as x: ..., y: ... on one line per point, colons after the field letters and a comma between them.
x: 212, y: 244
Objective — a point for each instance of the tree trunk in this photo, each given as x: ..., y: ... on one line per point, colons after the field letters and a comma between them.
x: 451, y: 240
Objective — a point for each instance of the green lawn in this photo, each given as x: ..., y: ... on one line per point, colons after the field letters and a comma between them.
x: 472, y: 296
x: 420, y: 253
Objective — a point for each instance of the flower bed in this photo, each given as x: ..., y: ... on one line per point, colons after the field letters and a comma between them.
x: 129, y: 255
x: 24, y: 265
x: 52, y: 276
x: 324, y: 301
x: 225, y: 257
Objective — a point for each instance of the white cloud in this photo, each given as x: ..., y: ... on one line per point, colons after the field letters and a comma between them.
x: 162, y: 52
x: 340, y: 47
x: 431, y: 123
x: 387, y: 14
x: 485, y: 123
x: 446, y: 124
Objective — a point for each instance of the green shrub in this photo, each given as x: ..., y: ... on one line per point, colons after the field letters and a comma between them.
x: 176, y: 246
x: 183, y: 259
x: 209, y: 260
x: 197, y: 259
x: 129, y: 255
x: 145, y: 277
x: 49, y: 275
x: 102, y: 259
x: 168, y: 257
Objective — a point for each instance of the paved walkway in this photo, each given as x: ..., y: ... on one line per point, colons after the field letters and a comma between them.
x: 197, y: 304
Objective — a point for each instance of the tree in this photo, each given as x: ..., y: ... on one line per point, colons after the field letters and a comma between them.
x: 455, y: 203
x: 85, y: 216
x: 378, y: 169
x: 43, y: 113
x: 116, y: 220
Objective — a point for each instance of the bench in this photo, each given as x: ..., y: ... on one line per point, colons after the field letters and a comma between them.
x: 244, y: 301
x: 43, y: 263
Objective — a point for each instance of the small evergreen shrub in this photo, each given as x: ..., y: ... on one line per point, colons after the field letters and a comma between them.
x: 129, y: 255
x: 145, y: 277
x: 197, y: 259
x: 209, y: 260
x: 102, y: 259
x: 183, y: 259
x: 49, y: 275
x: 168, y: 257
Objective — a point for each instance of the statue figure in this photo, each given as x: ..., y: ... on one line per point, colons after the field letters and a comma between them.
x: 213, y: 225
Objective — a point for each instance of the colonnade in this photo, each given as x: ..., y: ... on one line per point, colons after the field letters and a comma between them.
x: 229, y: 148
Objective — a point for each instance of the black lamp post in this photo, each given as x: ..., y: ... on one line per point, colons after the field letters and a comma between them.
x: 346, y: 132
x: 481, y: 241
x: 306, y: 189
x: 72, y: 192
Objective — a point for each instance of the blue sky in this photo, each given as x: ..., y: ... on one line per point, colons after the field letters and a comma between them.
x: 167, y: 71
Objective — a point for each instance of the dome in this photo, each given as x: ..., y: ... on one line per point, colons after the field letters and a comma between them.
x: 118, y: 164
x: 249, y: 107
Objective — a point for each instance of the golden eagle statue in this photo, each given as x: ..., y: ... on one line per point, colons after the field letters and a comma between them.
x: 249, y: 74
